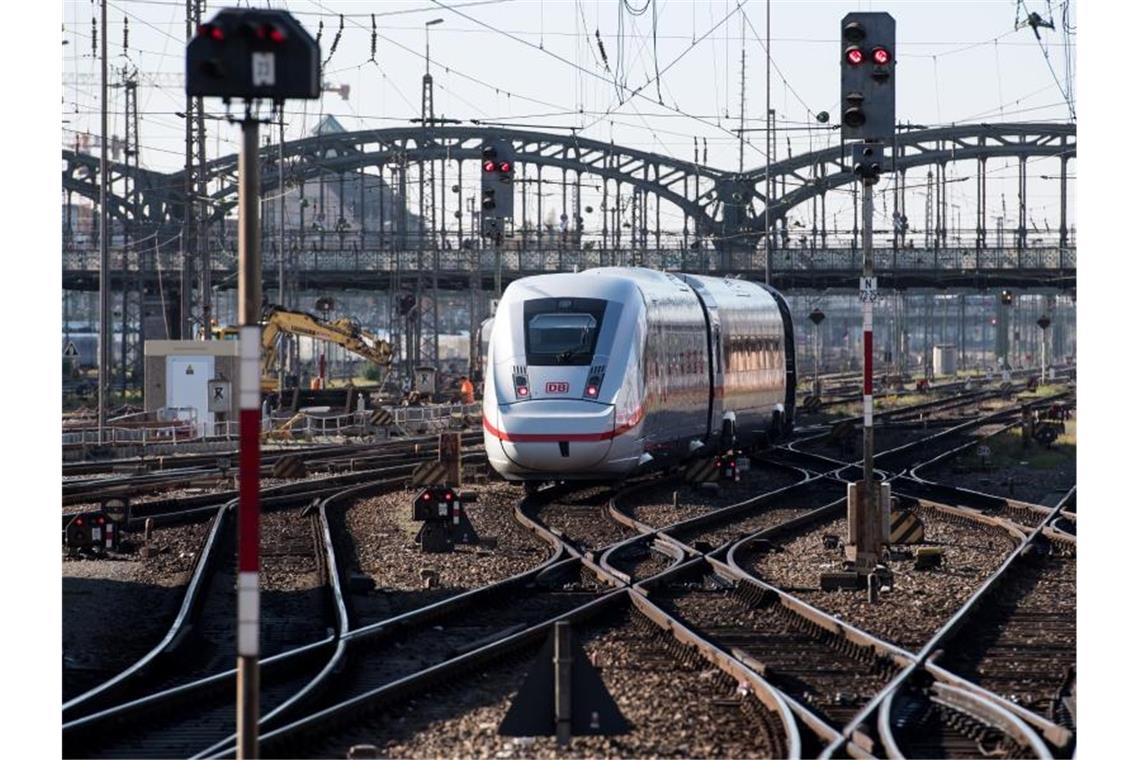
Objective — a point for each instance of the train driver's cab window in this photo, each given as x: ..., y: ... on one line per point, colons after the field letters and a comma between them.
x: 562, y: 330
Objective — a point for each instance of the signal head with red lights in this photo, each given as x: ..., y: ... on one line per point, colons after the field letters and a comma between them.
x: 211, y: 31
x: 253, y: 54
x: 498, y: 193
x: 434, y: 503
x: 867, y: 87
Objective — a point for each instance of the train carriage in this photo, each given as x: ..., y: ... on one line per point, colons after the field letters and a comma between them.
x: 596, y: 374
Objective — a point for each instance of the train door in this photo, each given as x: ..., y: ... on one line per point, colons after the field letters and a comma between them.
x: 789, y: 360
x: 715, y: 340
x: 716, y: 369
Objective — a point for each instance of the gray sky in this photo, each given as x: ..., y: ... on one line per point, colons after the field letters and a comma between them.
x: 537, y: 62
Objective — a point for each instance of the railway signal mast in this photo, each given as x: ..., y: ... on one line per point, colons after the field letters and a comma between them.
x: 497, y: 200
x: 251, y: 56
x: 867, y: 96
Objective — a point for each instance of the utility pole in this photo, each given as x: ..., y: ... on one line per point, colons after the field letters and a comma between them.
x: 104, y: 238
x: 768, y: 142
x: 200, y: 218
x: 740, y: 160
x: 281, y: 237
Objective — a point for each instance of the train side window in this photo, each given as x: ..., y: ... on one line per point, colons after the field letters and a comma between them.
x: 716, y: 347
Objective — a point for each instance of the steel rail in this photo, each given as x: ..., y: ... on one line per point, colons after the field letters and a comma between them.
x: 947, y: 628
x: 273, y: 498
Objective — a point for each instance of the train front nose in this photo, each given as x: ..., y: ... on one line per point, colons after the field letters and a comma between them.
x: 552, y: 435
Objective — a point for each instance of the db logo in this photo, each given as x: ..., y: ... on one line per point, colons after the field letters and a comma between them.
x: 558, y: 387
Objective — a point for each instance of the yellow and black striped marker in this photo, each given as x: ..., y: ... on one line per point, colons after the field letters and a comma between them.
x: 430, y: 474
x: 381, y: 417
x: 703, y: 470
x: 906, y: 528
x: 289, y: 466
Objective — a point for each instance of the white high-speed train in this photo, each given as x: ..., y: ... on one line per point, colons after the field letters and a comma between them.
x: 595, y: 374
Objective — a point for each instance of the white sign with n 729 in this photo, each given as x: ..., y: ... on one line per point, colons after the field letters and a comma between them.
x: 868, y: 289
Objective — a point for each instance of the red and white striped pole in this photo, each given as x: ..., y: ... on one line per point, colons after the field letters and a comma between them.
x: 249, y: 422
x: 869, y: 530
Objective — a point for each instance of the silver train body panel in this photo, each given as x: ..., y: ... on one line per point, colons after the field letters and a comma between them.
x: 592, y: 375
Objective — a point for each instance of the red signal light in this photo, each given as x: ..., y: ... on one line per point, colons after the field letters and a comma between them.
x: 488, y: 166
x: 505, y: 167
x: 211, y: 31
x: 426, y: 496
x: 591, y: 391
x: 881, y: 56
x: 448, y: 496
x: 854, y: 56
x: 79, y: 521
x: 522, y: 390
x: 274, y: 34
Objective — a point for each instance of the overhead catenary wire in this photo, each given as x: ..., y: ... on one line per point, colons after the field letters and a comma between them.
x: 636, y: 92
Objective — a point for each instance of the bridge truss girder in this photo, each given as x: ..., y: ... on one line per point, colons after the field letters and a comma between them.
x: 722, y: 205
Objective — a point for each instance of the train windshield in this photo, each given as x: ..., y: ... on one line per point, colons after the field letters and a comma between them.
x: 562, y: 330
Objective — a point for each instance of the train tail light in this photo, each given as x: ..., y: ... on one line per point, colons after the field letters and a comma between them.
x: 521, y: 389
x: 593, y: 386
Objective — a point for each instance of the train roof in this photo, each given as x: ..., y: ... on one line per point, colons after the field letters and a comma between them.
x: 610, y: 283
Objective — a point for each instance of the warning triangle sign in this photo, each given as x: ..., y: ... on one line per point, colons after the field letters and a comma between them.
x: 70, y: 349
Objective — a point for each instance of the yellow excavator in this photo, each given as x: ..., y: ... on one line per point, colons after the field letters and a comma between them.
x: 344, y: 332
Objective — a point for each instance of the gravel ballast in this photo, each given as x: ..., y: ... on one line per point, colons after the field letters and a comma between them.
x: 919, y: 602
x: 376, y: 537
x: 654, y: 505
x: 675, y: 708
x: 117, y: 609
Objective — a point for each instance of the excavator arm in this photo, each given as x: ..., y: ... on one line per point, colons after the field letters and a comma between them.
x: 342, y: 332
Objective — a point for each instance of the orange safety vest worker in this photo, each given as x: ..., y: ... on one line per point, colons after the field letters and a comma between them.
x: 467, y: 391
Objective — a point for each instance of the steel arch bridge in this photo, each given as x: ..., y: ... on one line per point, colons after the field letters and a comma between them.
x: 728, y: 208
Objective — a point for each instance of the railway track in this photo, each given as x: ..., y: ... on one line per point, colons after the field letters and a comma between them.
x: 194, y: 708
x: 828, y: 674
x: 206, y: 609
x: 925, y: 724
x: 806, y: 681
x: 1021, y: 638
x: 197, y: 472
x: 179, y: 509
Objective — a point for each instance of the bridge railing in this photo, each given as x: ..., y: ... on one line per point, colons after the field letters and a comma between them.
x: 561, y: 260
x: 926, y: 259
